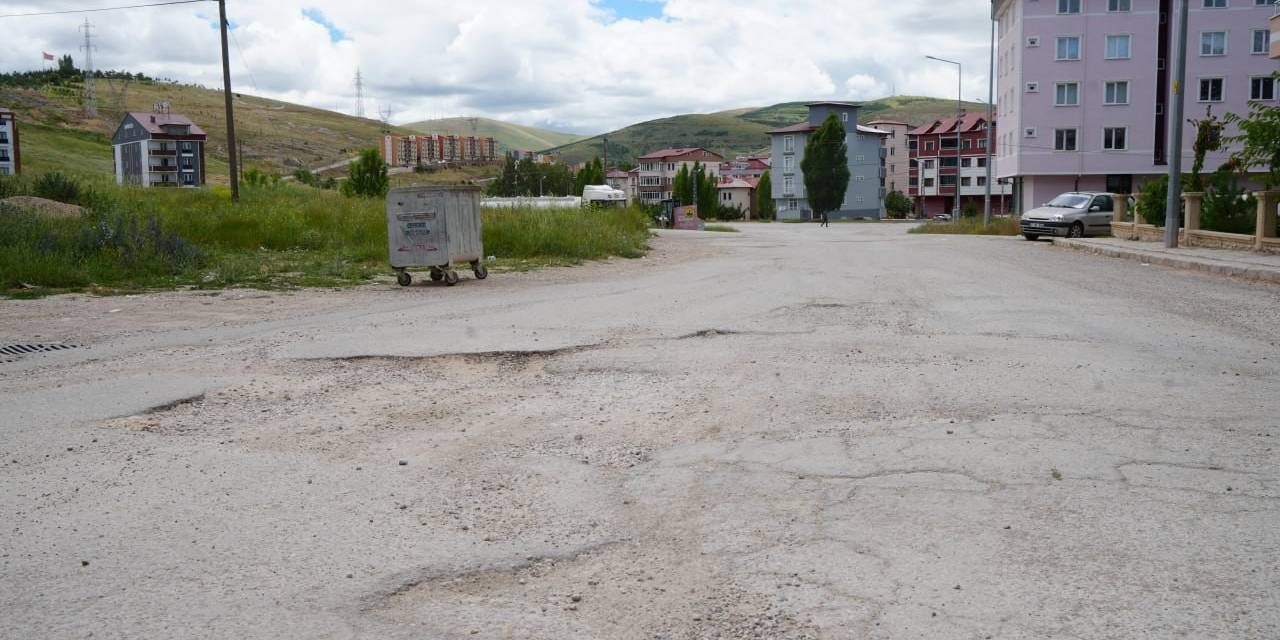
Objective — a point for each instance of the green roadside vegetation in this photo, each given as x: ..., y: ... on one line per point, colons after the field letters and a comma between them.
x: 723, y: 228
x: 971, y: 226
x: 280, y: 235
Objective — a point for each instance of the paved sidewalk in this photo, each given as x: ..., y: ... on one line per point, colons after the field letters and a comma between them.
x: 1242, y: 264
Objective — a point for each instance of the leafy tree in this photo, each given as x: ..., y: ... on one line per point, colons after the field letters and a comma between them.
x: 367, y: 176
x: 303, y: 176
x: 826, y: 166
x: 682, y: 186
x: 505, y: 185
x: 1208, y: 138
x: 897, y: 205
x: 66, y: 67
x: 592, y: 173
x: 765, y: 206
x: 1227, y: 206
x: 1260, y: 141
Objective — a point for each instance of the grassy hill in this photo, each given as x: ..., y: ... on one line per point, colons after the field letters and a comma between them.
x: 738, y: 131
x: 276, y: 136
x: 509, y: 136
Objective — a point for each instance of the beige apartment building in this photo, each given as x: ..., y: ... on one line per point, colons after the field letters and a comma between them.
x: 897, y: 164
x: 657, y: 170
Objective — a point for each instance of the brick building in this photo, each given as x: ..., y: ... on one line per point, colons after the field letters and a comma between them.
x: 939, y: 172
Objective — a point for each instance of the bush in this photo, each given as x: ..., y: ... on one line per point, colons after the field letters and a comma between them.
x: 972, y: 226
x: 570, y: 234
x: 897, y: 205
x: 367, y: 176
x: 971, y: 210
x: 11, y: 186
x: 1227, y: 207
x: 1152, y: 197
x: 55, y: 186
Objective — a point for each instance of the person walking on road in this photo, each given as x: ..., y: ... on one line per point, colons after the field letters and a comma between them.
x: 826, y: 222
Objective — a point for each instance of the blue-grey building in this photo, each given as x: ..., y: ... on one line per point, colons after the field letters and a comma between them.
x: 864, y: 197
x: 159, y: 150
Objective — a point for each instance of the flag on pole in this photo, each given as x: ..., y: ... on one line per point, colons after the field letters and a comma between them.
x: 47, y: 55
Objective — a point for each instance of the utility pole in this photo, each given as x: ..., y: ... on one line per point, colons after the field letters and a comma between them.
x: 991, y: 123
x: 231, y: 119
x: 90, y: 88
x: 359, y: 94
x: 955, y: 210
x: 1173, y: 206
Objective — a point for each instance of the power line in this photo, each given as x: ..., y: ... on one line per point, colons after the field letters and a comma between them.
x: 132, y: 6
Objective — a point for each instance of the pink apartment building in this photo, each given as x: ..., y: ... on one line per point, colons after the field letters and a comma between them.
x: 1082, y: 87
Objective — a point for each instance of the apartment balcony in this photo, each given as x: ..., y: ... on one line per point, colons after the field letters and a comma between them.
x: 164, y: 153
x: 164, y: 168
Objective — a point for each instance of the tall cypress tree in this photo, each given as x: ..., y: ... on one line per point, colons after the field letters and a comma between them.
x: 764, y: 197
x: 826, y: 167
x: 680, y: 186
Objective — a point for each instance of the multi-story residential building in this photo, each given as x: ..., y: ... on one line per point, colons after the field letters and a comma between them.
x: 159, y: 150
x: 864, y: 196
x: 10, y: 153
x: 745, y: 167
x: 620, y: 180
x: 1273, y: 33
x: 658, y: 170
x: 896, y: 170
x: 1083, y: 87
x: 740, y: 194
x: 939, y: 172
x: 424, y: 150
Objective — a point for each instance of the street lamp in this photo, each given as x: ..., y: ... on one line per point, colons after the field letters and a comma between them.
x: 955, y: 213
x: 540, y: 179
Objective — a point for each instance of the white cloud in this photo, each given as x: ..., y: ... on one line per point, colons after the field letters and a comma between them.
x: 565, y: 63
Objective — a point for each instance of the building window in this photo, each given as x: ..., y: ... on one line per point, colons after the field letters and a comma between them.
x: 1213, y: 43
x: 1215, y: 4
x: 965, y: 162
x: 947, y: 143
x: 859, y: 159
x: 1262, y: 88
x: 1117, y: 5
x: 844, y: 117
x: 947, y: 163
x: 1068, y: 48
x: 966, y: 181
x: 788, y: 144
x: 1116, y: 92
x: 928, y: 146
x: 982, y: 181
x: 1115, y: 139
x: 1261, y: 37
x: 928, y: 182
x: 860, y: 199
x: 913, y: 145
x: 1068, y: 6
x: 860, y: 178
x: 1033, y: 87
x: 1064, y: 139
x: 788, y: 164
x: 928, y: 164
x: 946, y: 181
x: 1066, y: 94
x: 982, y: 143
x: 1210, y: 89
x: 980, y: 162
x: 913, y: 182
x: 1118, y: 47
x: 788, y: 185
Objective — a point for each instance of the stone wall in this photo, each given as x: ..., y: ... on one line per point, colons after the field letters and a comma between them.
x: 1220, y: 240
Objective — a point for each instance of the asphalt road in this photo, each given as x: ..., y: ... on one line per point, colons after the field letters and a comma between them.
x: 789, y: 432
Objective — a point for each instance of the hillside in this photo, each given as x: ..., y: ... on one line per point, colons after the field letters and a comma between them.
x: 508, y: 136
x: 738, y: 131
x: 276, y: 136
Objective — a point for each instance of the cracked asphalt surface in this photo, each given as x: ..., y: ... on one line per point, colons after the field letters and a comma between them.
x: 789, y: 432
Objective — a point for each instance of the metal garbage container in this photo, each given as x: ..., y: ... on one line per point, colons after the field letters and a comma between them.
x: 434, y: 228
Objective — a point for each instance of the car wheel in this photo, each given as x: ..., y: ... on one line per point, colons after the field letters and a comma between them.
x: 1076, y: 231
x: 1031, y: 236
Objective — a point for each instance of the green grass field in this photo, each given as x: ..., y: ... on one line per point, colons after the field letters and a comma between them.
x: 971, y: 227
x: 277, y: 237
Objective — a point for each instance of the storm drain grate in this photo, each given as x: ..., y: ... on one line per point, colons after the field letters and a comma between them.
x: 14, y: 352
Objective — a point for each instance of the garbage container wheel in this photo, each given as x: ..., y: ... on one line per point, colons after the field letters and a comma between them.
x: 451, y: 277
x: 480, y: 270
x: 436, y: 275
x: 404, y: 278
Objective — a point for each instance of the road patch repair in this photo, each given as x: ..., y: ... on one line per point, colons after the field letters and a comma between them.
x: 1240, y: 264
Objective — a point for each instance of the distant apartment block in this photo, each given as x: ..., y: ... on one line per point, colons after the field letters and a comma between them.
x: 658, y: 170
x: 425, y: 150
x: 940, y: 171
x: 1083, y: 87
x: 159, y: 150
x: 1273, y: 32
x: 896, y: 170
x: 745, y: 167
x: 864, y: 196
x: 10, y: 154
x: 620, y: 180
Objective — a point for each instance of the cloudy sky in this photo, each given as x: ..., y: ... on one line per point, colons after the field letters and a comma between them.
x: 577, y: 65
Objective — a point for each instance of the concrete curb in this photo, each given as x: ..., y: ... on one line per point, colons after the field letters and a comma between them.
x: 1261, y: 274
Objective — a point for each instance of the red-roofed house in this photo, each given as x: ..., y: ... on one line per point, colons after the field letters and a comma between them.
x: 739, y: 193
x: 940, y: 173
x: 658, y: 170
x: 159, y: 150
x: 745, y: 167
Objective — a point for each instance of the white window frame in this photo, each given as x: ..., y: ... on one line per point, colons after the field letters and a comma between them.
x: 788, y: 185
x: 1105, y: 131
x: 1252, y: 79
x: 788, y: 164
x: 1215, y: 4
x: 1119, y: 6
x: 1058, y: 91
x: 1075, y: 140
x: 1128, y: 46
x: 1222, y: 93
x: 1266, y: 42
x: 1057, y: 48
x: 844, y: 116
x: 1226, y: 37
x: 1064, y: 7
x: 788, y: 144
x: 1107, y: 93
